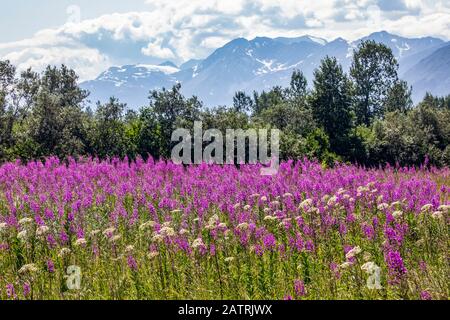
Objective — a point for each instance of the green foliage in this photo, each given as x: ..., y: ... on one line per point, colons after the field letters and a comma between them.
x: 331, y: 102
x: 367, y: 118
x: 374, y: 73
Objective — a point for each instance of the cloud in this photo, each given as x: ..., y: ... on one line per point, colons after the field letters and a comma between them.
x: 155, y: 49
x: 185, y: 29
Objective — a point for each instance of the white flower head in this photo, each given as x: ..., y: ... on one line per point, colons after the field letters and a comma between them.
x: 353, y: 252
x: 80, y: 242
x: 397, y: 214
x: 426, y: 207
x: 167, y: 232
x: 28, y: 268
x: 197, y: 243
x: 42, y: 230
x: 242, y: 226
x: 22, y: 235
x: 64, y: 252
x: 24, y: 221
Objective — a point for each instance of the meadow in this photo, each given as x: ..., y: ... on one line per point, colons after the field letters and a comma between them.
x: 156, y: 230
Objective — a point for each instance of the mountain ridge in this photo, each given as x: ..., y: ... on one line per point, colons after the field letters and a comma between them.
x: 259, y: 64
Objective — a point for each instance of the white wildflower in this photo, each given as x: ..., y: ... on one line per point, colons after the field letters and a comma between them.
x: 242, y: 226
x: 222, y: 225
x: 95, y: 232
x: 229, y: 259
x: 115, y: 238
x: 25, y: 221
x: 28, y: 268
x: 380, y: 198
x: 22, y: 235
x: 80, y: 242
x: 368, y: 267
x: 305, y: 204
x: 167, y: 232
x: 64, y: 252
x: 183, y: 231
x: 42, y: 230
x: 426, y: 207
x: 157, y: 238
x: 332, y: 201
x: 437, y: 215
x: 146, y: 225
x: 197, y: 243
x: 353, y: 252
x: 383, y: 206
x: 397, y: 214
x: 274, y: 203
x: 3, y: 226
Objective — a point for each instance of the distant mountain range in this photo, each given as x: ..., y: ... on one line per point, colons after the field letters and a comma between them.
x: 262, y: 63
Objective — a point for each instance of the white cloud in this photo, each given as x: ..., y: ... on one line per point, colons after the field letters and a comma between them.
x: 184, y: 29
x: 155, y: 49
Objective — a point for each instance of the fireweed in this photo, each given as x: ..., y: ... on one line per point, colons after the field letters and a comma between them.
x: 156, y: 230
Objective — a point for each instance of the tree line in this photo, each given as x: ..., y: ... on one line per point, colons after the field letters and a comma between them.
x: 366, y: 116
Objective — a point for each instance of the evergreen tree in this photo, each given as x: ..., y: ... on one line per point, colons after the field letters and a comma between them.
x: 331, y: 102
x: 374, y: 73
x: 399, y: 98
x: 242, y: 102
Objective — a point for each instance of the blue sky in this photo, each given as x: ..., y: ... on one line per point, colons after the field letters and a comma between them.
x: 92, y: 35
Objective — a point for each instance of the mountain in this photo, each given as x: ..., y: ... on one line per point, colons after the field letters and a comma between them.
x: 431, y: 74
x: 131, y: 83
x: 262, y: 63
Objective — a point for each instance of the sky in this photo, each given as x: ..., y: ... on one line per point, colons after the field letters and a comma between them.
x: 92, y: 35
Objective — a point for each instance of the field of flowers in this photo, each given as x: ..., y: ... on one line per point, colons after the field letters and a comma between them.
x: 156, y: 230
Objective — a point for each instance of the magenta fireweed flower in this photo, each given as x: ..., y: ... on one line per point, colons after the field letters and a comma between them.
x: 423, y: 266
x: 26, y: 289
x: 396, y: 267
x: 51, y: 242
x: 212, y: 250
x: 132, y: 264
x: 63, y: 237
x: 368, y: 231
x: 10, y: 291
x: 295, y: 211
x: 50, y: 266
x: 309, y: 246
x: 299, y: 288
x: 334, y: 267
x: 270, y: 241
x: 425, y: 295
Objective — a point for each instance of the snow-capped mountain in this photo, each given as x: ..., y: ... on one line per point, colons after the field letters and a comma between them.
x: 257, y: 64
